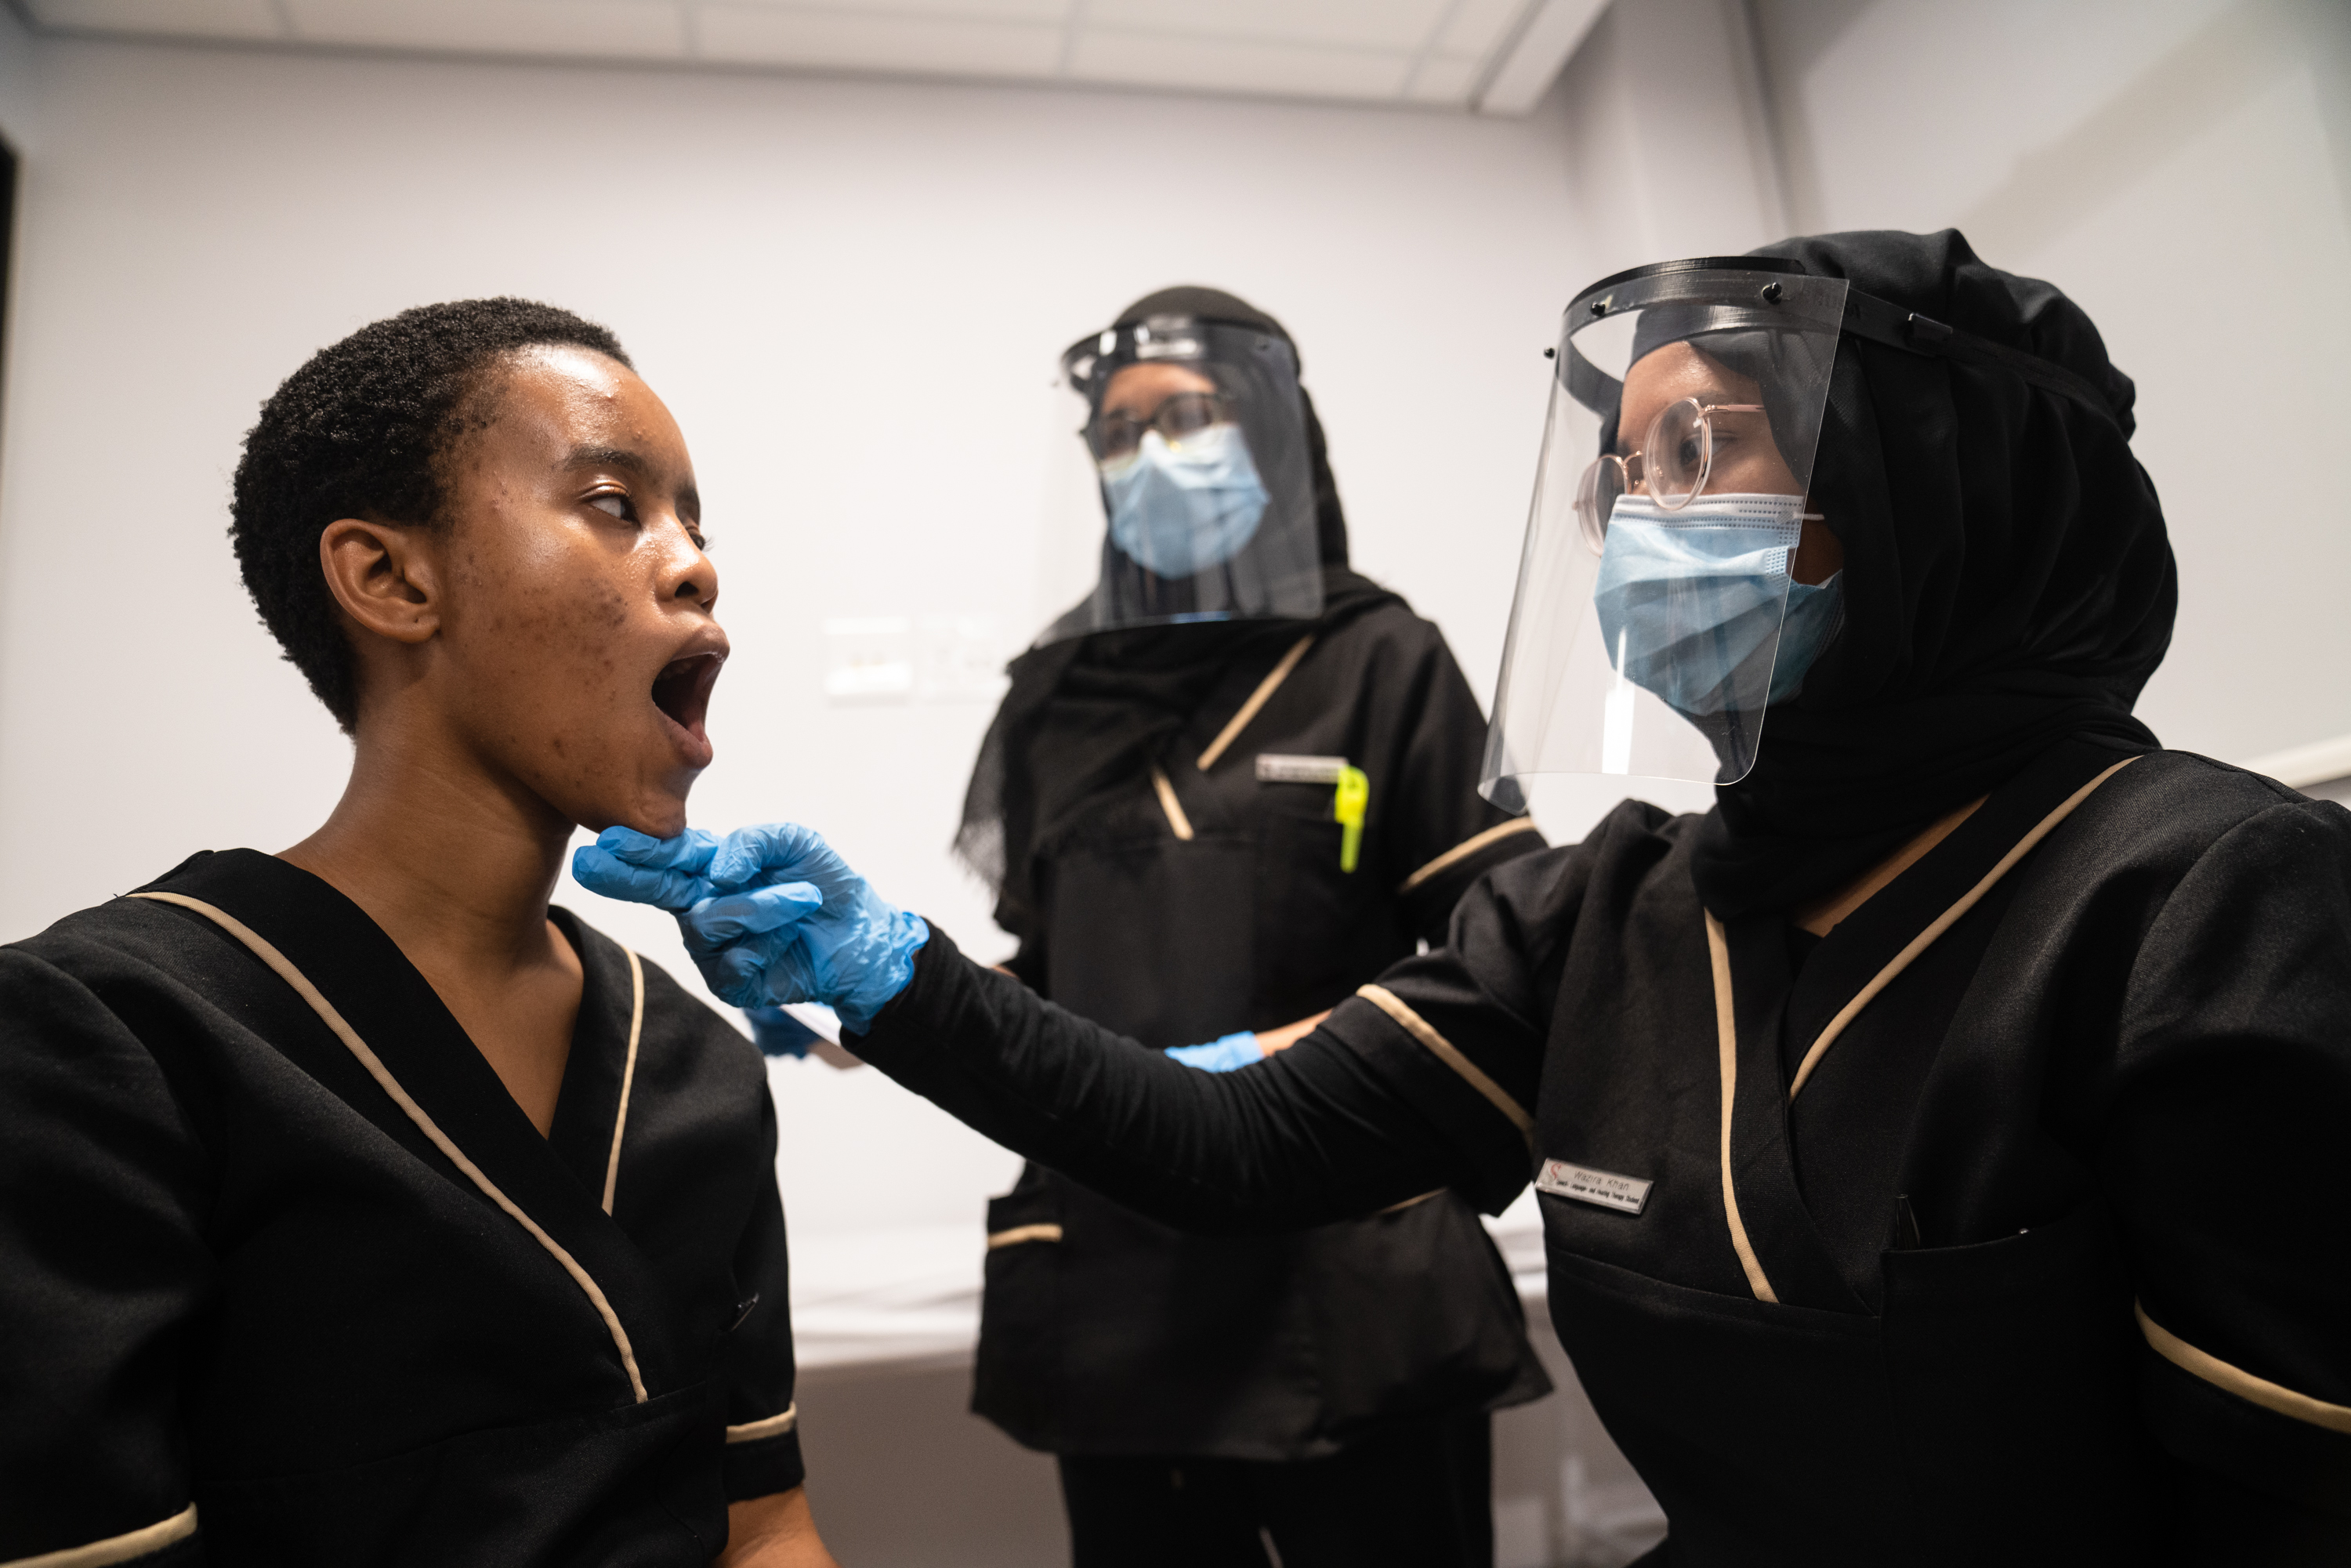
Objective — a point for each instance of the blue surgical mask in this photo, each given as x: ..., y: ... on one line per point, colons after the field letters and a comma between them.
x: 1690, y: 602
x: 1179, y: 507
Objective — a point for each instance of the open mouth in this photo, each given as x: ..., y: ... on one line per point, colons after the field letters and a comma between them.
x: 682, y: 692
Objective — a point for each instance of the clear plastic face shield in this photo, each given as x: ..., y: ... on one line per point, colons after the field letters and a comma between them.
x: 1657, y: 615
x: 1195, y: 440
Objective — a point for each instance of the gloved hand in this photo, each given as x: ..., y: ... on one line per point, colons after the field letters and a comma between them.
x: 668, y: 874
x: 1223, y: 1053
x: 777, y: 1033
x: 779, y: 917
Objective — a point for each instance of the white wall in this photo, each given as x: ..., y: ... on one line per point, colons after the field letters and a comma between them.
x: 851, y: 293
x: 2182, y: 168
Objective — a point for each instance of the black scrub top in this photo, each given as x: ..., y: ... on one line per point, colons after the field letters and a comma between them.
x: 287, y: 1277
x: 1208, y: 897
x: 2009, y: 1222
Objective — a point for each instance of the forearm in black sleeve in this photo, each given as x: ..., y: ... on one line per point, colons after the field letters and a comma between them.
x: 1310, y: 1135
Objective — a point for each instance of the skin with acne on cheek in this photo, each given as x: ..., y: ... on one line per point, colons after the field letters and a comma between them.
x: 561, y: 616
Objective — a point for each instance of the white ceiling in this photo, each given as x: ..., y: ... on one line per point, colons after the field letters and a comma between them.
x: 1496, y: 57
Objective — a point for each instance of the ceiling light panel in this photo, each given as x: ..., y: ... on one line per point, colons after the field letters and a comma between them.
x: 952, y: 10
x: 1478, y: 27
x: 182, y: 19
x: 627, y: 29
x: 1232, y: 66
x: 1399, y: 25
x: 767, y: 35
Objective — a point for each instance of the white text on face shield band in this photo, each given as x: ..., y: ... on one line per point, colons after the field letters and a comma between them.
x: 1179, y: 507
x: 1692, y: 601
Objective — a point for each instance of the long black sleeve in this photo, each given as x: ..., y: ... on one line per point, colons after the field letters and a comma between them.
x: 1313, y: 1134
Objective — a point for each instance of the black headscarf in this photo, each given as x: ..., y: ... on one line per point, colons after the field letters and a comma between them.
x: 1088, y: 714
x: 2007, y: 578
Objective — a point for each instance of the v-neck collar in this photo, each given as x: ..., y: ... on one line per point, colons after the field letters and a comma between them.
x: 557, y: 1180
x: 1861, y: 945
x: 1769, y: 1003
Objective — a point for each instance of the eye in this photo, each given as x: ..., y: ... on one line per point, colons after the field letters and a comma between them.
x: 611, y: 503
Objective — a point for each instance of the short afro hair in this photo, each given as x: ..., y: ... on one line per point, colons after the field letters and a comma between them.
x: 362, y: 431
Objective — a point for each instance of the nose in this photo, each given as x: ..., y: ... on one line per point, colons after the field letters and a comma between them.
x: 686, y: 571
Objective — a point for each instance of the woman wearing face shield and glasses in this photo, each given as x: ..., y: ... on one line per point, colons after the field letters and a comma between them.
x: 1939, y: 1141
x: 1232, y: 784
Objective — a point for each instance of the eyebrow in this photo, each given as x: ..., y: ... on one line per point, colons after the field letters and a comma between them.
x: 606, y: 457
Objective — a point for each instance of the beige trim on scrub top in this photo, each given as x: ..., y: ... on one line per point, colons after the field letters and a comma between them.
x: 286, y: 971
x: 2235, y: 1380
x: 628, y: 1073
x: 1020, y: 1233
x: 1726, y: 1028
x: 1445, y: 1051
x: 1465, y: 849
x: 1257, y: 699
x: 1178, y: 822
x: 773, y: 1427
x: 123, y: 1548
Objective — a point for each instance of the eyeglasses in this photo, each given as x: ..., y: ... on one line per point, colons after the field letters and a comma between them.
x: 1673, y: 464
x: 1118, y: 434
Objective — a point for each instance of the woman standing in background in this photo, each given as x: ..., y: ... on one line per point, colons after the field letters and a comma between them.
x: 1233, y: 785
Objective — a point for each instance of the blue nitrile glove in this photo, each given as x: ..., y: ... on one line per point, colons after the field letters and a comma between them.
x: 784, y: 919
x: 674, y: 874
x: 778, y: 1033
x: 668, y: 874
x: 1222, y: 1054
x: 757, y: 943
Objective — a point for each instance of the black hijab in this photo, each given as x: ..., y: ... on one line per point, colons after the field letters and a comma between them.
x: 1087, y: 715
x: 2008, y: 582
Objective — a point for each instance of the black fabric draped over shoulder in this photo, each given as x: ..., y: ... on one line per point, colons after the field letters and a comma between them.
x: 2007, y: 580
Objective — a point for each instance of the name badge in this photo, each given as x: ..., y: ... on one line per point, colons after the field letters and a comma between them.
x: 1605, y: 1189
x: 1273, y: 769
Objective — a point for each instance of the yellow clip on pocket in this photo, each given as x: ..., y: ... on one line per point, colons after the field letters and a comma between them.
x: 1347, y: 805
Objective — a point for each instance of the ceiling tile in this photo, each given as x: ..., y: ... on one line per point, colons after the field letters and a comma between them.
x: 1443, y: 81
x: 768, y: 35
x: 636, y: 29
x: 1480, y: 27
x: 1288, y: 69
x: 182, y: 18
x: 1364, y: 24
x: 1551, y: 35
x: 970, y: 10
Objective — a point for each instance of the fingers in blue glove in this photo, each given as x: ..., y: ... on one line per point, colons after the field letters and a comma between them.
x: 689, y: 851
x: 775, y: 852
x: 598, y: 870
x: 1223, y: 1054
x: 666, y: 873
x: 727, y: 916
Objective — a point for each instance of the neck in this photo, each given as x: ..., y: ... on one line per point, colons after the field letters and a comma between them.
x: 454, y: 864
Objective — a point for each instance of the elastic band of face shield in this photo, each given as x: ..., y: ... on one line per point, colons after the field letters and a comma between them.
x: 1771, y: 306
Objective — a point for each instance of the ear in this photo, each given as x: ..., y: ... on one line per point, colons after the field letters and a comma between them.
x: 385, y: 577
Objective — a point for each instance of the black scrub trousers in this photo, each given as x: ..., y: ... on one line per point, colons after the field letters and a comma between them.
x: 287, y: 1275
x: 2005, y: 1224
x: 1332, y: 1387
